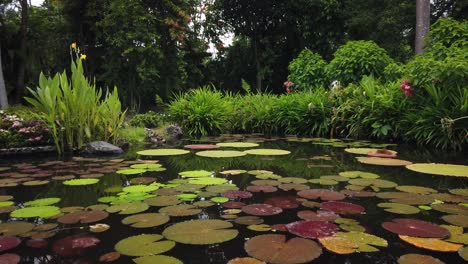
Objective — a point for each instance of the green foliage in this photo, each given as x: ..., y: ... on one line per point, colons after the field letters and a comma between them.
x: 202, y: 112
x: 149, y: 119
x: 447, y: 32
x: 19, y: 128
x: 254, y: 114
x: 307, y: 71
x: 358, y: 58
x: 73, y: 109
x: 393, y: 72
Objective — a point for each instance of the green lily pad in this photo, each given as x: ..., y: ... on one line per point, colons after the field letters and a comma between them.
x: 219, y: 199
x: 359, y: 174
x: 36, y: 211
x: 267, y: 152
x: 373, y: 183
x: 180, y: 210
x: 440, y: 169
x: 221, y: 153
x: 201, y: 232
x: 255, y: 172
x: 128, y: 208
x: 461, y: 192
x: 415, y: 189
x: 145, y: 220
x: 160, y: 259
x: 208, y: 181
x: 187, y: 196
x: 266, y: 176
x: 456, y: 234
x: 417, y: 258
x: 161, y: 201
x: 383, y: 161
x: 232, y: 172
x: 238, y: 144
x: 189, y: 187
x: 399, y: 208
x: 323, y: 181
x: 143, y: 245
x: 80, y: 182
x: 131, y: 171
x: 42, y: 202
x: 295, y: 180
x: 365, y: 242
x: 146, y: 166
x: 195, y: 173
x: 463, y: 253
x: 6, y: 203
x: 162, y: 152
x: 15, y: 228
x: 220, y: 188
x: 458, y: 220
x: 140, y: 188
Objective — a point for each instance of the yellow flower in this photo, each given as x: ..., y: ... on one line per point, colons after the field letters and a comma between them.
x: 73, y: 45
x: 83, y: 57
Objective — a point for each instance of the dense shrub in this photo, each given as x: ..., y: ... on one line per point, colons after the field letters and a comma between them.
x: 16, y: 132
x: 307, y: 71
x: 149, y: 119
x: 254, y: 114
x: 393, y: 72
x: 356, y: 59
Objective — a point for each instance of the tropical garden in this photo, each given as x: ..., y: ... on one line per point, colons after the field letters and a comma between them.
x: 214, y: 131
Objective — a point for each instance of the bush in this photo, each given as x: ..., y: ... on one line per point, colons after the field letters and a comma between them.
x: 447, y: 33
x: 356, y: 59
x: 254, y: 114
x: 16, y: 132
x: 393, y: 72
x: 307, y: 71
x: 149, y: 119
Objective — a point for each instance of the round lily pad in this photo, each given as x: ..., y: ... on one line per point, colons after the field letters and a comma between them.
x: 267, y: 152
x: 383, y: 161
x: 160, y: 259
x: 195, y: 173
x: 131, y: 171
x: 461, y: 192
x: 233, y: 205
x: 350, y: 242
x: 248, y: 220
x: 83, y: 217
x: 220, y: 153
x: 323, y: 194
x: 146, y: 166
x: 261, y: 209
x: 463, y: 252
x: 379, y: 183
x: 74, y: 245
x: 362, y: 151
x: 262, y: 188
x: 109, y: 257
x: 245, y: 261
x: 418, y: 258
x: 320, y: 215
x: 458, y: 220
x: 8, y: 242
x: 415, y: 189
x: 207, y: 181
x: 162, y: 152
x: 36, y: 211
x: 284, y: 202
x: 42, y: 202
x: 238, y: 144
x: 222, y: 188
x: 440, y: 169
x: 180, y: 210
x: 10, y: 258
x: 312, y: 229
x: 6, y: 203
x: 15, y: 228
x: 342, y: 207
x: 79, y: 182
x: 201, y: 232
x: 273, y: 248
x: 144, y: 245
x: 399, y: 208
x: 232, y: 172
x: 140, y: 188
x: 145, y: 220
x: 128, y: 208
x: 237, y: 194
x: 201, y: 146
x: 359, y: 174
x: 415, y: 228
x: 5, y: 198
x: 163, y: 200
x: 431, y: 243
x: 450, y: 208
x: 219, y: 199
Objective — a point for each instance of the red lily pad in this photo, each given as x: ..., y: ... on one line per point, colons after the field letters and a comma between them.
x: 274, y: 249
x: 8, y: 242
x: 9, y: 258
x: 83, y: 217
x: 320, y: 215
x: 109, y: 257
x: 284, y: 202
x: 237, y: 194
x: 280, y: 227
x: 343, y: 208
x: 233, y: 205
x: 312, y: 229
x: 262, y: 188
x: 415, y: 228
x: 37, y: 243
x: 323, y: 194
x: 261, y: 209
x: 201, y: 146
x: 74, y: 245
x: 293, y: 186
x: 382, y: 153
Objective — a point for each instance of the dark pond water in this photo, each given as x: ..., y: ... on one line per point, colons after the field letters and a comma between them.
x: 307, y: 160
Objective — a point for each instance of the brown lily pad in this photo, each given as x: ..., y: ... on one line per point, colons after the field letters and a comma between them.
x: 15, y: 228
x: 245, y: 261
x: 237, y: 194
x: 145, y: 220
x: 180, y: 210
x: 415, y: 189
x: 433, y: 244
x: 342, y: 207
x: 8, y: 242
x: 262, y: 188
x: 74, y: 245
x: 248, y: 220
x: 265, y: 182
x: 261, y: 209
x: 293, y: 186
x: 415, y: 228
x: 284, y: 202
x: 83, y: 217
x: 274, y: 249
x: 418, y: 258
x: 312, y: 229
x: 383, y: 161
x: 233, y: 205
x: 458, y: 220
x: 109, y: 257
x: 201, y: 232
x: 450, y: 208
x: 161, y: 201
x: 10, y: 258
x: 323, y: 194
x: 320, y: 215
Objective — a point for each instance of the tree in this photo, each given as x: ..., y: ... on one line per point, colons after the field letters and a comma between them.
x: 3, y: 92
x: 423, y: 15
x: 22, y: 53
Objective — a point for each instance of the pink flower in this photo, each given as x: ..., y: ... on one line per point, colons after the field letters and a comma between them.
x: 406, y: 88
x: 39, y: 138
x: 288, y: 85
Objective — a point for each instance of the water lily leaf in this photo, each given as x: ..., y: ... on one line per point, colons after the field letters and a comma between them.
x: 383, y: 161
x: 35, y: 183
x: 338, y: 245
x: 337, y: 178
x: 295, y: 180
x: 238, y: 144
x: 8, y: 242
x: 237, y: 194
x: 323, y: 194
x: 36, y: 211
x: 320, y: 215
x: 207, y: 181
x: 128, y: 208
x: 351, y: 193
x: 262, y: 188
x: 415, y: 189
x: 458, y: 220
x: 284, y: 202
x: 267, y: 152
x: 189, y: 187
x: 461, y: 192
x: 433, y: 244
x: 248, y: 220
x: 201, y: 232
x: 220, y: 188
x: 74, y: 245
x: 146, y: 166
x: 359, y: 174
x: 382, y: 153
x: 323, y: 181
x: 440, y: 169
x: 180, y: 210
x: 398, y: 208
x: 140, y: 188
x: 418, y: 258
x: 312, y: 229
x: 145, y: 220
x: 259, y: 228
x: 261, y: 209
x: 42, y: 202
x: 379, y: 183
x: 219, y: 199
x: 450, y: 208
x: 161, y: 201
x: 463, y: 252
x: 131, y: 171
x: 415, y: 228
x: 109, y: 257
x: 342, y: 207
x: 162, y: 152
x: 63, y: 178
x: 255, y: 172
x: 143, y: 245
x: 232, y: 172
x: 267, y: 176
x: 15, y: 228
x: 5, y: 198
x: 80, y: 182
x: 265, y: 182
x: 274, y: 249
x: 83, y: 217
x: 220, y: 153
x: 363, y: 240
x: 245, y: 261
x: 233, y: 205
x: 160, y: 259
x: 201, y: 146
x: 203, y: 204
x: 406, y: 198
x: 187, y: 197
x: 6, y: 203
x: 446, y: 197
x: 293, y: 186
x: 195, y: 173
x: 456, y: 234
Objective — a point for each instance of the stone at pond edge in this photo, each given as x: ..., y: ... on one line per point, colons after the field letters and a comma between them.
x: 102, y: 148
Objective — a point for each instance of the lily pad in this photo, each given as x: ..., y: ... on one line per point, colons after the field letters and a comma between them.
x: 140, y: 188
x: 248, y: 220
x: 195, y: 173
x: 433, y: 244
x: 440, y: 169
x: 75, y: 245
x: 222, y: 188
x: 312, y: 229
x: 42, y: 202
x: 201, y: 232
x: 399, y: 208
x: 180, y: 210
x: 128, y: 208
x: 145, y: 220
x: 143, y: 245
x: 245, y: 261
x: 458, y: 220
x: 284, y: 202
x: 238, y: 144
x: 234, y: 205
x: 15, y: 228
x: 146, y: 166
x: 415, y: 189
x: 350, y: 242
x: 232, y: 172
x: 262, y: 188
x: 415, y: 228
x: 5, y: 198
x: 162, y: 152
x: 36, y: 211
x: 383, y: 161
x: 201, y: 146
x: 379, y: 183
x: 219, y: 199
x: 342, y: 207
x: 450, y: 208
x: 267, y: 152
x: 237, y: 194
x: 463, y: 252
x: 259, y: 228
x: 418, y: 258
x: 261, y: 209
x: 207, y: 181
x: 323, y: 194
x: 160, y: 259
x: 80, y: 182
x: 131, y: 171
x: 220, y: 153
x: 461, y: 192
x: 320, y: 215
x: 83, y: 217
x: 8, y: 242
x: 274, y: 249
x: 163, y: 200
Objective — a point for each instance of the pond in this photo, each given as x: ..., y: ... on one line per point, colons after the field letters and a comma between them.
x: 330, y: 206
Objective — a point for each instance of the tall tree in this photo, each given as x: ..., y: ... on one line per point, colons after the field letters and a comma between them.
x: 22, y: 53
x: 423, y: 20
x: 3, y: 92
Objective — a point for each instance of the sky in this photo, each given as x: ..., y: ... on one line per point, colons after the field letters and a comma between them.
x: 36, y: 2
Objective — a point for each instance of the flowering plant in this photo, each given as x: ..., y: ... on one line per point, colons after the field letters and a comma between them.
x: 17, y: 132
x: 288, y: 85
x: 406, y: 88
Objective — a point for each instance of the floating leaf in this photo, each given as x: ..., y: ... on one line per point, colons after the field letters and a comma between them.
x: 207, y: 181
x: 399, y: 208
x: 160, y: 259
x: 323, y: 182
x: 8, y: 242
x: 180, y: 210
x: 265, y: 182
x: 15, y: 228
x: 222, y: 188
x: 6, y: 203
x: 232, y: 172
x: 83, y: 217
x: 10, y: 258
x: 458, y: 220
x: 131, y: 171
x: 256, y: 172
x: 262, y: 188
x: 415, y: 189
x: 312, y: 229
x: 42, y: 202
x: 379, y: 183
x: 146, y: 166
x: 261, y: 209
x: 140, y: 188
x: 145, y: 220
x: 463, y: 252
x: 128, y: 208
x: 363, y: 151
x: 259, y: 228
x: 233, y: 204
x: 245, y: 261
x: 162, y: 152
x: 383, y: 161
x: 320, y: 215
x: 248, y: 220
x: 219, y: 199
x: 220, y: 153
x: 440, y: 169
x: 267, y: 152
x: 35, y: 183
x: 284, y: 202
x: 450, y: 208
x: 74, y: 245
x: 323, y: 194
x: 36, y: 211
x: 79, y: 182
x: 359, y: 174
x: 365, y: 241
x: 343, y: 208
x: 163, y: 200
x: 195, y: 173
x: 201, y: 232
x: 267, y: 176
x: 456, y: 234
x: 201, y: 146
x: 338, y: 245
x: 415, y: 228
x: 418, y: 258
x: 237, y: 194
x: 461, y: 192
x: 275, y: 249
x: 238, y: 144
x: 143, y: 245
x: 431, y: 243
x: 109, y: 257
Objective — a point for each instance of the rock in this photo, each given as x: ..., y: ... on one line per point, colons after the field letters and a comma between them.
x: 174, y: 132
x: 153, y: 137
x: 123, y: 144
x: 102, y: 148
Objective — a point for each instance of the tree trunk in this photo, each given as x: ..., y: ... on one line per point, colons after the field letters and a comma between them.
x: 3, y: 93
x: 423, y: 16
x: 22, y: 52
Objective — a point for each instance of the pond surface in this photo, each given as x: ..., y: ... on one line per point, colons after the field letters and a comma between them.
x: 30, y: 179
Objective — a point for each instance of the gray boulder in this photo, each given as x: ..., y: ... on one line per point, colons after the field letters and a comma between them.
x: 102, y: 148
x: 174, y: 132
